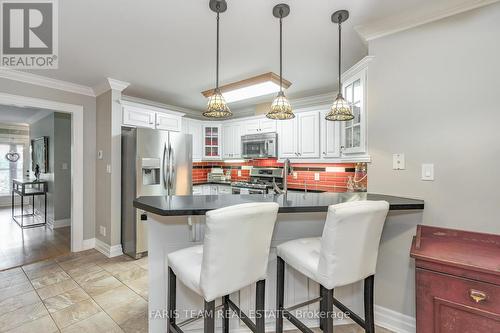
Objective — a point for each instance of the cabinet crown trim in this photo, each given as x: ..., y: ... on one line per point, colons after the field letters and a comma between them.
x: 359, y: 66
x: 150, y: 107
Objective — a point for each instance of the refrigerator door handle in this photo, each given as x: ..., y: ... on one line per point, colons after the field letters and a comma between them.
x: 172, y: 171
x: 170, y: 153
x: 165, y: 165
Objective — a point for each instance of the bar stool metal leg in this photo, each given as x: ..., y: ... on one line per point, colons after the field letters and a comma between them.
x: 171, y: 307
x: 280, y: 294
x: 225, y: 314
x: 209, y: 320
x: 322, y: 310
x: 328, y: 308
x: 369, y: 315
x: 260, y: 295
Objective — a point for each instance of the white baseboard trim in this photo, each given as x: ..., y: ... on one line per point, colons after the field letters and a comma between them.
x: 88, y: 244
x: 394, y: 321
x: 61, y: 223
x: 107, y: 250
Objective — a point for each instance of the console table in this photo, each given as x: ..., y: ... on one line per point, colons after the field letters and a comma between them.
x: 457, y: 280
x: 29, y: 188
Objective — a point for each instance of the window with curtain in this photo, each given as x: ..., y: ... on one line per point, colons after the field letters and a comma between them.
x: 10, y: 170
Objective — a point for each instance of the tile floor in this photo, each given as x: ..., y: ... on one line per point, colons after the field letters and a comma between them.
x: 23, y: 246
x: 82, y: 292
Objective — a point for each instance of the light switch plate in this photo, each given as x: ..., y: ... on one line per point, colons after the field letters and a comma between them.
x: 108, y: 168
x: 398, y: 162
x: 428, y: 171
x: 102, y: 230
x: 64, y: 166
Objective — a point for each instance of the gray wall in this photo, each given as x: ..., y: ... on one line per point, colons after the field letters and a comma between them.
x: 57, y: 127
x: 62, y: 155
x: 433, y: 94
x: 89, y: 137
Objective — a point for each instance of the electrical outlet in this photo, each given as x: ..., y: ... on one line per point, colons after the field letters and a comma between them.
x: 64, y: 166
x: 294, y: 175
x: 239, y: 173
x: 316, y: 176
x: 102, y: 230
x: 398, y: 162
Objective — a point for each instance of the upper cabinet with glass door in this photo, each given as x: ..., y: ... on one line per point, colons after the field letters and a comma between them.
x: 354, y: 89
x: 212, y: 142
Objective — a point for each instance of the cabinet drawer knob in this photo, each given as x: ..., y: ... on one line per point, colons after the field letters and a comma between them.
x: 477, y: 296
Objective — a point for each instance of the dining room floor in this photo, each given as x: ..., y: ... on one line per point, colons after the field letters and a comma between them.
x: 82, y: 292
x: 24, y: 246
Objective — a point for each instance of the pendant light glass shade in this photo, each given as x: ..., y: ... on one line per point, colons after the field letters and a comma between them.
x: 217, y: 107
x: 281, y: 108
x: 341, y: 109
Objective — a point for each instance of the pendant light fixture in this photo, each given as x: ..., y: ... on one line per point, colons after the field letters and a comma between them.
x: 281, y: 108
x: 340, y: 110
x: 217, y: 107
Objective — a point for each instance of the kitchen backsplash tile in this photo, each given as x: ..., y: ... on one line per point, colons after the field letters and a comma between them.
x: 333, y: 177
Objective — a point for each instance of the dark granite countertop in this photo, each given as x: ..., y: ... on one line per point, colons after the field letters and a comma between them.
x: 295, y: 203
x: 212, y: 182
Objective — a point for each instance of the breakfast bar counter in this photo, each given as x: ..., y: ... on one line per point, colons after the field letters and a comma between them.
x: 293, y: 203
x: 178, y: 222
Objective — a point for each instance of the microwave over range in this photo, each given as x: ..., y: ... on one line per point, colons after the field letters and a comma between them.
x: 262, y: 145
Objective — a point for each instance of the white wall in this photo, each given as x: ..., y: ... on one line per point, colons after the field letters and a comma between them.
x: 89, y: 136
x: 434, y: 95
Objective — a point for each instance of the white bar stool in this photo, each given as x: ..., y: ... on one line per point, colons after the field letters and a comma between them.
x: 234, y: 255
x: 346, y: 253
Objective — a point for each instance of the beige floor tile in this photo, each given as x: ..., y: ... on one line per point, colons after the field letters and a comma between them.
x: 49, y: 279
x: 40, y: 271
x: 16, y: 302
x: 97, y: 287
x: 98, y: 323
x: 21, y: 316
x: 10, y: 272
x: 129, y: 309
x: 132, y: 274
x: 116, y: 266
x: 143, y: 262
x: 140, y: 286
x: 92, y: 277
x: 12, y: 280
x: 75, y: 313
x: 65, y: 299
x: 83, y: 269
x: 136, y: 324
x: 111, y: 298
x: 56, y: 289
x: 38, y: 265
x: 43, y: 324
x: 18, y: 289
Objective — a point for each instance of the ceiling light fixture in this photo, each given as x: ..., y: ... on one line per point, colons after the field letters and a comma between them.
x: 281, y: 108
x: 217, y: 107
x: 340, y: 110
x: 260, y: 85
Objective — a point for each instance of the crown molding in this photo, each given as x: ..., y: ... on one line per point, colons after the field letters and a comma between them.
x: 46, y: 82
x: 360, y: 65
x: 161, y: 106
x: 311, y: 101
x: 125, y: 102
x: 388, y: 26
x: 110, y: 84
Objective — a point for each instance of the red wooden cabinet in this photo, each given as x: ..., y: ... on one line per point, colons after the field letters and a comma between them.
x: 457, y: 281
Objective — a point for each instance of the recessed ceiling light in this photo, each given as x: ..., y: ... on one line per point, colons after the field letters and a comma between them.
x: 261, y: 85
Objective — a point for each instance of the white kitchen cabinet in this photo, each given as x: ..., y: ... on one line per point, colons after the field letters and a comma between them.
x: 353, y: 132
x: 198, y: 190
x: 287, y: 138
x: 308, y: 134
x: 263, y: 125
x: 231, y: 140
x: 299, y: 137
x: 195, y: 128
x: 330, y: 137
x: 168, y: 122
x: 212, y: 149
x: 224, y: 189
x: 138, y: 117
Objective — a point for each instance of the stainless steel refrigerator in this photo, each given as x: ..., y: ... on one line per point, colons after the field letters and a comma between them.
x: 154, y: 162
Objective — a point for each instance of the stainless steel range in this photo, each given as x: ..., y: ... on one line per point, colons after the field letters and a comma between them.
x: 261, y: 181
